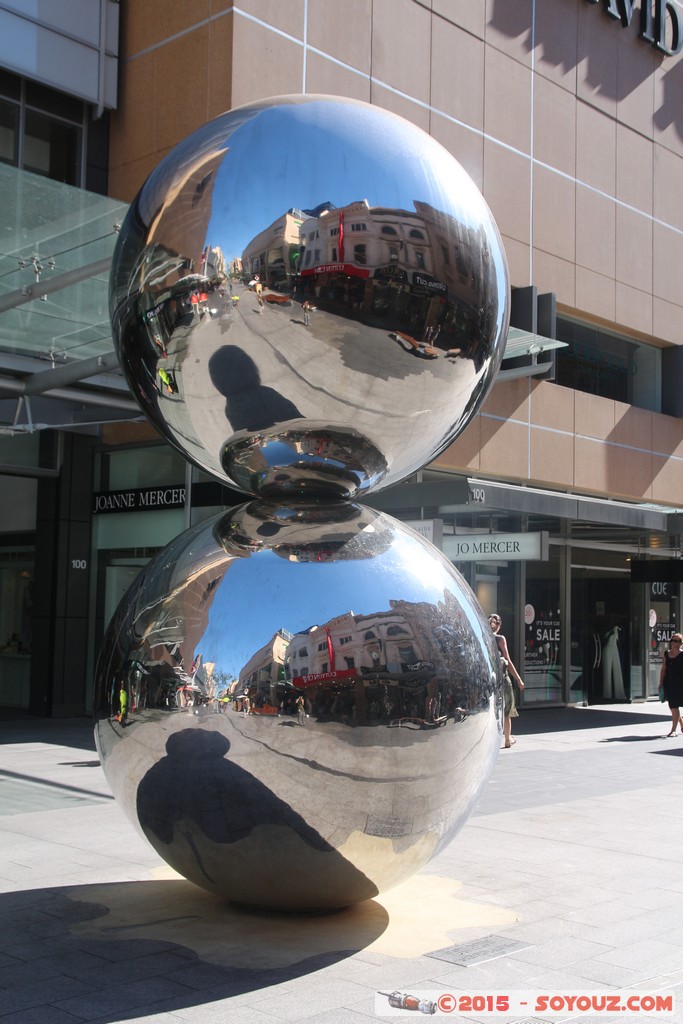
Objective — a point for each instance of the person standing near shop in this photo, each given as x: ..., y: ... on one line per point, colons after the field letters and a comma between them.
x: 510, y: 708
x: 671, y: 678
x: 300, y: 710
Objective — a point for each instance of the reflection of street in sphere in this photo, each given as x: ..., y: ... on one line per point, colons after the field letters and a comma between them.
x: 388, y: 767
x: 360, y: 180
x: 310, y: 609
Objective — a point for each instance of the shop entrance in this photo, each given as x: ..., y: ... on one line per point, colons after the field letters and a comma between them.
x: 600, y: 635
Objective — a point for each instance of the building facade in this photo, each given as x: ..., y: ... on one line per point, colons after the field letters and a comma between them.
x: 561, y: 502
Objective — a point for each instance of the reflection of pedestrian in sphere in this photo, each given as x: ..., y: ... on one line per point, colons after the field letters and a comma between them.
x: 123, y: 704
x: 307, y: 307
x: 301, y: 710
x: 258, y: 288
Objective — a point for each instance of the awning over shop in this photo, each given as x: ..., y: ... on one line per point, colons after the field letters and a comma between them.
x: 466, y: 494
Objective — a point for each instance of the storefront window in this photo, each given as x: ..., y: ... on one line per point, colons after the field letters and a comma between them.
x: 16, y: 610
x: 542, y: 672
x: 158, y: 466
x: 663, y: 620
x: 601, y: 627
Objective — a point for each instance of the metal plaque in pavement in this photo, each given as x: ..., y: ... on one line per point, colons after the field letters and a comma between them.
x: 388, y: 827
x: 479, y: 951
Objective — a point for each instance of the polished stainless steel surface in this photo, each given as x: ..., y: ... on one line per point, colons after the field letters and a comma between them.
x: 320, y: 201
x: 317, y: 804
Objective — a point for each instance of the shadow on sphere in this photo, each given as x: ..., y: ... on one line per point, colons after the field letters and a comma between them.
x: 249, y: 404
x: 214, y: 817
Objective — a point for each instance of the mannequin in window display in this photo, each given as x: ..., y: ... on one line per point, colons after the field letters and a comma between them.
x: 612, y: 678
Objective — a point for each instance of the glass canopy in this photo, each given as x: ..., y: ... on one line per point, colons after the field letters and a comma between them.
x: 56, y: 244
x: 58, y: 241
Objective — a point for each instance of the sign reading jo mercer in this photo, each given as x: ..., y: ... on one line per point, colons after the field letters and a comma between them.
x: 507, y: 547
x: 660, y: 21
x: 139, y: 499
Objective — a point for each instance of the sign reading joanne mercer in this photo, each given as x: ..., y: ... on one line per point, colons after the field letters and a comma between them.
x: 139, y: 500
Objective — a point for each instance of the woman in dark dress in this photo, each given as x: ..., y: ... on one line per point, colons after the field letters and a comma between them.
x: 671, y: 678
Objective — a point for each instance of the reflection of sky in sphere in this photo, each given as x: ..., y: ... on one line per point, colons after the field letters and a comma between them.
x: 301, y: 154
x: 297, y: 595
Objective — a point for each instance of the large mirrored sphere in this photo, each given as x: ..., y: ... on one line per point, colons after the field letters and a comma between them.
x: 298, y: 706
x: 309, y: 297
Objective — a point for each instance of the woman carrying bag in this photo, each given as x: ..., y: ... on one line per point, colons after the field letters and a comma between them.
x: 510, y: 707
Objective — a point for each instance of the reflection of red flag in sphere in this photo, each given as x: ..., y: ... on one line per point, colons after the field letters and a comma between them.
x: 330, y: 649
x: 341, y: 236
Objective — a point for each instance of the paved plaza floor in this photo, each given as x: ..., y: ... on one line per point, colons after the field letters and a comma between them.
x: 568, y: 878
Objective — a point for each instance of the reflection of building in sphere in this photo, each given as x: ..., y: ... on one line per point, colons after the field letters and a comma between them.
x: 421, y: 268
x: 400, y: 258
x: 401, y: 713
x: 316, y: 696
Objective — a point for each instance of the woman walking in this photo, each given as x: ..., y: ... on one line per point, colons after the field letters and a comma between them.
x: 671, y: 678
x: 510, y: 707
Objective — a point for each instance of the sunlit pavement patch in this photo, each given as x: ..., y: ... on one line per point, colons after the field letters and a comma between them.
x: 411, y: 920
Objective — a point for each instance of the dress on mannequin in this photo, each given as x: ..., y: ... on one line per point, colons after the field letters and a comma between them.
x: 612, y: 678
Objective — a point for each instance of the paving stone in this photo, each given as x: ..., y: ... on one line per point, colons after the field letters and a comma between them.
x: 573, y: 839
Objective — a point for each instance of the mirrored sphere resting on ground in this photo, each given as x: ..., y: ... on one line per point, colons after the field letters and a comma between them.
x: 309, y: 297
x: 298, y: 705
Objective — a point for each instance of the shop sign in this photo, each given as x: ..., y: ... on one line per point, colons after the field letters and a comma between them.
x: 507, y: 547
x: 153, y: 313
x: 324, y: 677
x: 337, y: 268
x: 660, y: 21
x: 142, y: 499
x: 430, y: 529
x: 429, y: 282
x: 391, y: 273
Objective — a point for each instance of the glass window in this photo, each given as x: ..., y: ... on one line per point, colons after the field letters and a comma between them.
x: 16, y: 618
x: 141, y: 467
x: 42, y: 131
x: 414, y: 233
x: 9, y: 132
x: 360, y: 254
x: 542, y: 670
x: 595, y: 361
x: 388, y: 230
x: 420, y: 259
x: 52, y: 148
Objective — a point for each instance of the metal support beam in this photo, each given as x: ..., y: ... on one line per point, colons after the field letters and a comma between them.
x: 54, y: 283
x: 68, y: 373
x: 76, y: 395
